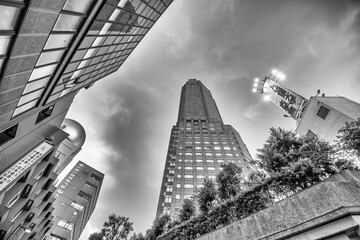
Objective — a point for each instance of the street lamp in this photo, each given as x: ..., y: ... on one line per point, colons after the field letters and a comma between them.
x: 277, y: 75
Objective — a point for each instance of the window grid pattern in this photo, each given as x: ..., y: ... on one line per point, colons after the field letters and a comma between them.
x: 9, y: 18
x: 197, y: 149
x: 58, y: 42
x: 199, y: 143
x: 114, y: 34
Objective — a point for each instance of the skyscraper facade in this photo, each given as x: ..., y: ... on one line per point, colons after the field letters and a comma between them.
x: 75, y: 200
x: 199, y: 143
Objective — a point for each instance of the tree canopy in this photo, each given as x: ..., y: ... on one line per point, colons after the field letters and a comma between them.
x: 116, y: 228
x: 349, y: 137
x: 229, y: 181
x: 187, y: 210
x: 206, y: 195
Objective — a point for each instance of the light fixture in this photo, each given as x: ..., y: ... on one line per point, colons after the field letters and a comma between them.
x: 254, y: 90
x: 266, y: 87
x: 266, y: 98
x: 256, y: 80
x: 255, y: 84
x: 278, y: 75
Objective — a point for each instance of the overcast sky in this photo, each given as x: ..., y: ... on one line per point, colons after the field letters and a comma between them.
x: 225, y: 44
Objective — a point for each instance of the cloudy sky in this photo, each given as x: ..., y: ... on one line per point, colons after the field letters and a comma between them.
x: 225, y: 44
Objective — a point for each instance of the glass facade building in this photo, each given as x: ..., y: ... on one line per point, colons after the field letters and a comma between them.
x: 84, y: 42
x: 199, y: 143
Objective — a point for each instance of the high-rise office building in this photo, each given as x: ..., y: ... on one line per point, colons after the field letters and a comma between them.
x: 199, y: 143
x: 75, y: 200
x: 49, y: 50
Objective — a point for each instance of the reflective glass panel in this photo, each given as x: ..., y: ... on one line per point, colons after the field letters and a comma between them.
x: 31, y: 86
x: 58, y: 41
x: 67, y: 22
x: 49, y: 57
x: 42, y: 72
x: 4, y: 43
x: 53, y: 97
x: 25, y: 107
x: 80, y: 6
x: 8, y: 17
x: 30, y: 97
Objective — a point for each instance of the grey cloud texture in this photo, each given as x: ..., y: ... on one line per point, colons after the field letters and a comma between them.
x: 226, y: 44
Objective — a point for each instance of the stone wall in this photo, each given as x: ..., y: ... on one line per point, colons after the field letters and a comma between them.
x: 328, y: 210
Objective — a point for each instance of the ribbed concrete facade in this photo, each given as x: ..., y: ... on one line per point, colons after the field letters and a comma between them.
x: 199, y: 143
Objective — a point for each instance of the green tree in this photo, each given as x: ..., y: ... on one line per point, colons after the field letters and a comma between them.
x: 138, y: 236
x: 279, y: 150
x: 159, y: 226
x: 206, y: 196
x: 349, y: 137
x: 116, y: 228
x: 229, y: 181
x: 96, y: 236
x: 255, y: 178
x: 187, y: 210
x: 299, y: 161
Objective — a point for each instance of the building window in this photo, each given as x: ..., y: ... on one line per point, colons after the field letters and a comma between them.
x: 323, y: 112
x: 8, y: 134
x: 169, y: 188
x: 77, y: 206
x: 310, y: 134
x: 44, y: 114
x: 168, y: 199
x: 13, y: 200
x: 84, y: 195
x: 188, y: 186
x: 91, y: 186
x: 64, y: 224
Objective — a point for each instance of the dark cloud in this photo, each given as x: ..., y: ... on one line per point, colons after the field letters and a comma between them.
x: 225, y: 44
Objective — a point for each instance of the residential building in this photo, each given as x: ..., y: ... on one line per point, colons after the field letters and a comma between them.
x: 76, y: 197
x: 199, y: 143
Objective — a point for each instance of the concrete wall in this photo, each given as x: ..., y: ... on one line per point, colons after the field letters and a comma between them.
x: 341, y: 110
x: 329, y: 210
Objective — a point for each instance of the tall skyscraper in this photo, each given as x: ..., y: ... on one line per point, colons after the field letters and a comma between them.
x: 49, y: 50
x: 75, y: 200
x: 199, y: 143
